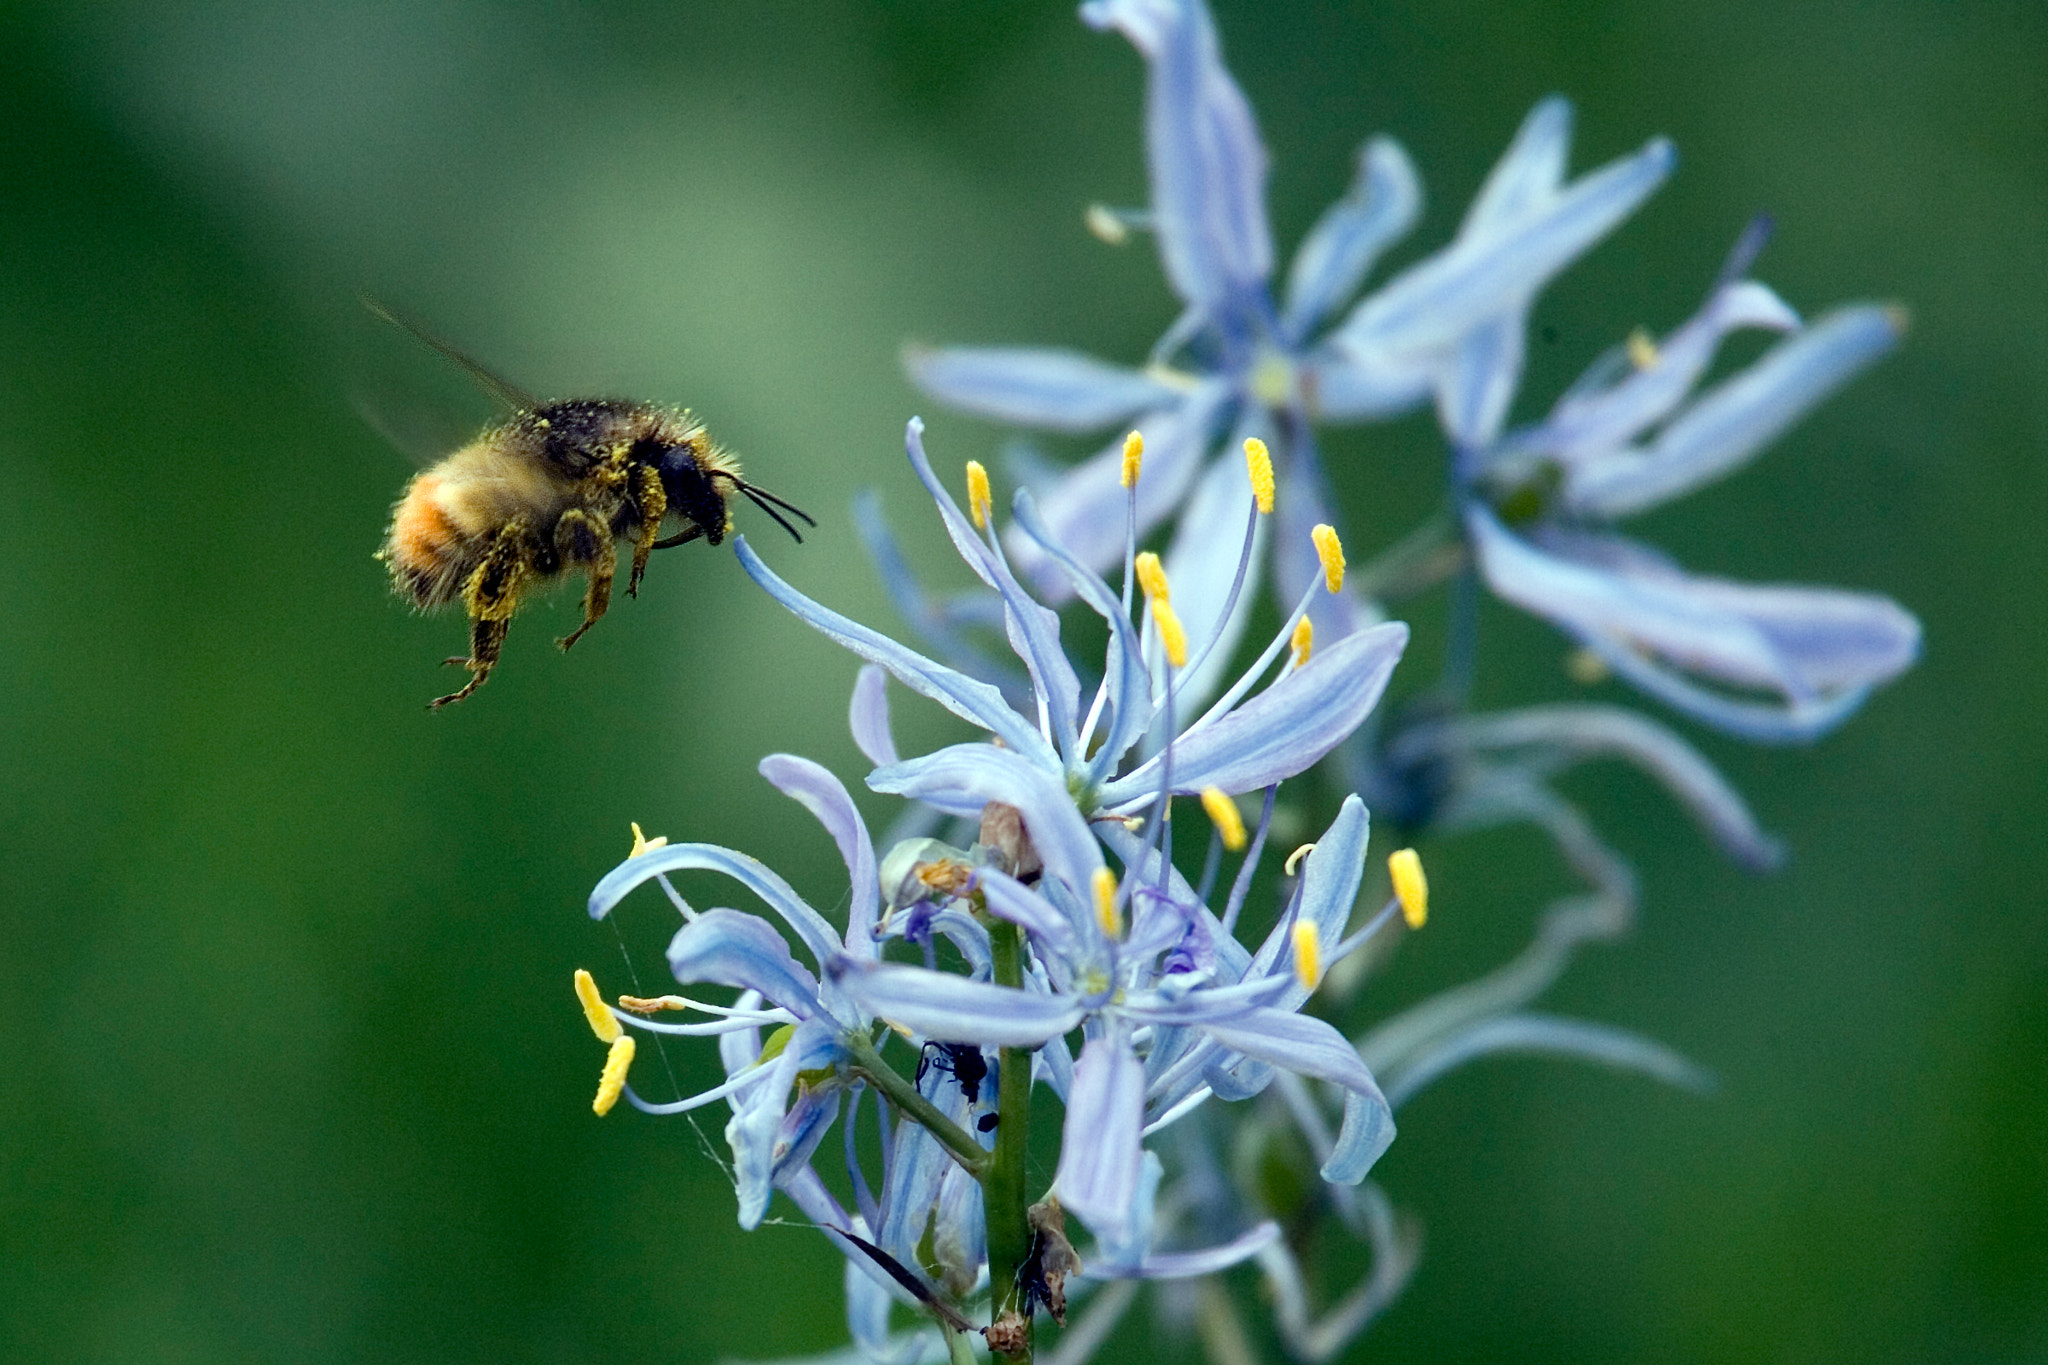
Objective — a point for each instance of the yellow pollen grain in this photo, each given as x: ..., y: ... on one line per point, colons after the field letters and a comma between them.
x: 1105, y: 903
x: 602, y: 1022
x: 1304, y: 640
x: 1259, y: 464
x: 1134, y: 456
x: 1642, y: 351
x: 1152, y: 577
x: 1107, y: 225
x: 1330, y: 550
x: 643, y: 844
x: 1411, y: 888
x: 1172, y: 634
x: 1308, y: 954
x: 980, y: 502
x: 613, y: 1080
x: 1225, y: 815
x: 1294, y: 858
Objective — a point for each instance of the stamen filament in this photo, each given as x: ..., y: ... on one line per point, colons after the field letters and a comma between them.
x: 1243, y: 885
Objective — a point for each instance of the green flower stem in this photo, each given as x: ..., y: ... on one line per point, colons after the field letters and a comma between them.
x: 901, y: 1093
x: 1003, y: 1199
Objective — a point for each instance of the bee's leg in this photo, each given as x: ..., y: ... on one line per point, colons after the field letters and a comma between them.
x: 490, y: 596
x: 582, y: 539
x: 653, y: 500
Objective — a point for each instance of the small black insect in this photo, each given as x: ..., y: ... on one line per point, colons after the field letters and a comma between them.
x: 963, y: 1062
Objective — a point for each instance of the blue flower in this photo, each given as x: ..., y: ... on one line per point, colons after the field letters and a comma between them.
x: 1632, y: 435
x: 1241, y: 361
x: 1140, y: 960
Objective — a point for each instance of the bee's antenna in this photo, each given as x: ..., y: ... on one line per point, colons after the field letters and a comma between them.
x: 756, y: 492
x: 754, y: 496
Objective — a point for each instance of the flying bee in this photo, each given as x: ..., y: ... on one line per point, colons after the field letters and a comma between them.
x: 558, y: 486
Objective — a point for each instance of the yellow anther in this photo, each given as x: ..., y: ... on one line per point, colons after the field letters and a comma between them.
x: 1152, y: 578
x: 602, y: 1022
x: 1308, y: 954
x: 1304, y: 640
x: 1107, y: 224
x: 1225, y: 815
x: 1585, y: 668
x: 1259, y: 464
x: 1134, y: 455
x: 614, y: 1078
x: 1330, y: 550
x: 1106, y: 913
x: 1642, y: 350
x: 1410, y: 886
x: 1294, y: 858
x: 1172, y: 634
x: 980, y: 502
x: 643, y: 844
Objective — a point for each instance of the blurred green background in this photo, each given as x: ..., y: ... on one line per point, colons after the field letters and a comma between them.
x: 290, y: 1066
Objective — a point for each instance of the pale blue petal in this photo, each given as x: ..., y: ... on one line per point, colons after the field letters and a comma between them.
x: 1130, y: 697
x: 1728, y: 425
x: 1099, y: 1146
x: 1542, y: 1033
x: 1035, y: 387
x: 1054, y: 1065
x: 823, y: 796
x: 1583, y: 731
x: 949, y: 1006
x: 867, y: 1318
x: 738, y: 1050
x: 1763, y: 722
x: 728, y: 948
x: 966, y: 773
x: 1829, y: 638
x: 1528, y: 174
x: 801, y: 1130
x: 1592, y: 421
x: 1330, y: 877
x: 1601, y: 602
x: 1187, y: 1265
x: 1433, y: 304
x: 810, y: 926
x: 975, y: 702
x: 1201, y: 564
x: 960, y: 1231
x: 868, y: 716
x: 916, y: 1168
x: 1019, y: 904
x: 1367, y: 1133
x: 1339, y: 251
x: 1353, y: 386
x: 1294, y: 1042
x: 1085, y: 509
x: 938, y: 624
x: 1478, y: 382
x: 1208, y: 169
x: 1120, y: 1251
x: 1033, y: 630
x: 757, y: 1117
x: 1281, y: 731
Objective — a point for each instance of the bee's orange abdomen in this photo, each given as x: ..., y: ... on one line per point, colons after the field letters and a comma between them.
x: 421, y: 534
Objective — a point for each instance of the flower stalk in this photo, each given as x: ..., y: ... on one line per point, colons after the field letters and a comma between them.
x: 1004, y: 1201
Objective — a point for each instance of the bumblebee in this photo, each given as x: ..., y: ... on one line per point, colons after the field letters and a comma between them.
x: 559, y: 486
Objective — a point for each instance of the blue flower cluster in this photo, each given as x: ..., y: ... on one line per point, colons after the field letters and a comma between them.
x: 1026, y: 930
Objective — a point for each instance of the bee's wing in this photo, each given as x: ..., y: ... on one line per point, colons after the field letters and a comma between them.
x: 498, y: 387
x: 423, y: 433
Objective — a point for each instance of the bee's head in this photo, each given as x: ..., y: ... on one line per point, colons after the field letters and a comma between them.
x: 696, y: 487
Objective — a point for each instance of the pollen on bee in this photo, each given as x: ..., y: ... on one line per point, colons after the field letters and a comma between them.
x: 1259, y: 465
x: 613, y: 1081
x: 602, y: 1022
x: 1330, y: 551
x: 1225, y: 815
